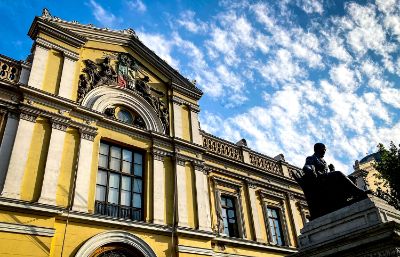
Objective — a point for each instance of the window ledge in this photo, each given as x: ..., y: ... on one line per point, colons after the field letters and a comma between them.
x: 250, y: 243
x: 195, y: 232
x: 30, y: 206
x: 113, y: 221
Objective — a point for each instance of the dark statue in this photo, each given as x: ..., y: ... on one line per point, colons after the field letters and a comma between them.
x: 129, y: 75
x: 326, y: 189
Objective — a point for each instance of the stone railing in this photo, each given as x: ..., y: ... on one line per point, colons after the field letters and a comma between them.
x: 293, y: 169
x: 265, y: 163
x: 9, y: 69
x: 222, y: 147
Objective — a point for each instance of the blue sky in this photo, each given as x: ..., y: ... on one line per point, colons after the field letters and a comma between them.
x: 281, y: 74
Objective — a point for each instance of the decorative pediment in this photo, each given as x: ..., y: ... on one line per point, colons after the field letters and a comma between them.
x: 121, y: 72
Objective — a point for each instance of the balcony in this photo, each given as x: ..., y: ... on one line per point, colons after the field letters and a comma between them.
x: 118, y: 211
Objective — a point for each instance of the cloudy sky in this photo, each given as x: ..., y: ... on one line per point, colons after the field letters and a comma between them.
x: 281, y: 74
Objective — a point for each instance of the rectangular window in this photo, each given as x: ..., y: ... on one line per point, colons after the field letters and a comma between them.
x: 275, y: 226
x: 228, y: 208
x: 119, y: 182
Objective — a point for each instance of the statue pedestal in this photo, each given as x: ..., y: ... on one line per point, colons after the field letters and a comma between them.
x: 367, y: 228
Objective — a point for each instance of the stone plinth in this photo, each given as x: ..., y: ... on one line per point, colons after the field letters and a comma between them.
x: 370, y: 228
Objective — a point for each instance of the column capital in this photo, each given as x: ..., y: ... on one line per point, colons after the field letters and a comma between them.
x: 159, y: 154
x: 59, y: 124
x: 28, y: 116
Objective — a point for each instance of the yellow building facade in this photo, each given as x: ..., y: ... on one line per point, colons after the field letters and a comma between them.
x: 102, y: 155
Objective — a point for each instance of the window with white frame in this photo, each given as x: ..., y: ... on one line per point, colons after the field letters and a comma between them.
x: 119, y: 186
x: 229, y: 216
x: 275, y: 226
x: 228, y: 207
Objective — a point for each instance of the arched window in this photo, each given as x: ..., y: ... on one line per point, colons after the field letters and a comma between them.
x: 124, y: 115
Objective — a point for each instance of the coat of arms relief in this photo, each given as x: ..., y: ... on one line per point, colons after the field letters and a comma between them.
x: 127, y: 74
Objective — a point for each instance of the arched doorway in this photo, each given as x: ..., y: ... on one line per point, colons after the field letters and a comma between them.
x: 117, y: 250
x: 115, y: 243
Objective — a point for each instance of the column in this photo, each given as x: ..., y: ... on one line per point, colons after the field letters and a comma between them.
x: 177, y: 120
x: 183, y: 219
x: 196, y: 137
x: 254, y: 213
x: 203, y: 198
x: 38, y: 69
x: 53, y: 163
x: 82, y: 183
x: 19, y: 156
x: 7, y: 145
x: 158, y: 187
x: 67, y: 78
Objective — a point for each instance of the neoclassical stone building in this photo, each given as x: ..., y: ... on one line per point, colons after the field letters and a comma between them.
x: 102, y: 155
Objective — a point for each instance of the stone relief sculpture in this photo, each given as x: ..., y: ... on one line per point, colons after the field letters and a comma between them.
x: 325, y: 189
x: 129, y: 75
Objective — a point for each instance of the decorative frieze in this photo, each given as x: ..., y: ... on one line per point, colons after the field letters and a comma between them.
x: 28, y: 117
x: 222, y: 147
x: 67, y: 53
x: 265, y: 163
x: 59, y: 125
x: 88, y: 136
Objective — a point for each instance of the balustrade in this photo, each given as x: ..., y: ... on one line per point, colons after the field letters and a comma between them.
x: 9, y: 69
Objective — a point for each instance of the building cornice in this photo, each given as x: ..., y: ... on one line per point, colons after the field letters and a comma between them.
x: 41, y: 24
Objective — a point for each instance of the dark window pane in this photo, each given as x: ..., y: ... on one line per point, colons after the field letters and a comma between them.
x: 126, y: 183
x: 138, y: 170
x: 116, y: 152
x: 127, y: 155
x: 138, y: 158
x: 113, y: 195
x: 114, y: 180
x: 137, y: 200
x: 115, y: 164
x: 100, y: 193
x: 137, y: 186
x: 104, y: 148
x: 126, y: 167
x: 102, y: 178
x: 103, y: 161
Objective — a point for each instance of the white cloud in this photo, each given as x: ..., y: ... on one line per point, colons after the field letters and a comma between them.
x: 187, y: 20
x: 343, y: 76
x: 161, y: 46
x: 103, y: 16
x: 137, y: 5
x: 311, y: 6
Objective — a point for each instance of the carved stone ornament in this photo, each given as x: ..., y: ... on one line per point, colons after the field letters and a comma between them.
x: 28, y: 117
x: 127, y: 74
x: 87, y: 136
x: 59, y: 126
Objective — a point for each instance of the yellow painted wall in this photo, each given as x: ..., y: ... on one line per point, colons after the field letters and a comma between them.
x: 52, y: 77
x: 191, y: 195
x: 186, y: 130
x: 34, y: 171
x: 26, y: 219
x: 24, y: 245
x: 68, y: 166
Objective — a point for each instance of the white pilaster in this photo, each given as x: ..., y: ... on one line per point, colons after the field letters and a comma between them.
x: 82, y: 185
x: 158, y: 188
x: 197, y: 139
x: 19, y: 157
x: 7, y: 145
x: 183, y: 218
x: 38, y: 69
x: 67, y: 78
x: 254, y: 213
x: 203, y: 205
x: 293, y: 208
x: 178, y: 120
x: 53, y: 164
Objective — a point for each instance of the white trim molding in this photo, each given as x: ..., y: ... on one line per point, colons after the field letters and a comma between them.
x: 26, y: 229
x: 115, y: 236
x: 103, y: 97
x: 194, y: 250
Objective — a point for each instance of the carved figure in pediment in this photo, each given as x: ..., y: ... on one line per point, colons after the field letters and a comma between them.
x: 83, y: 87
x: 108, y: 76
